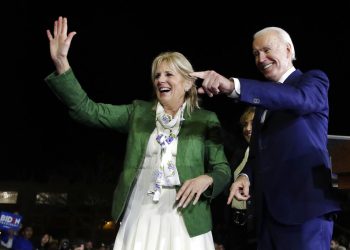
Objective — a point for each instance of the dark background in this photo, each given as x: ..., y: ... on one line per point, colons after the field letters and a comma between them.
x: 112, y: 54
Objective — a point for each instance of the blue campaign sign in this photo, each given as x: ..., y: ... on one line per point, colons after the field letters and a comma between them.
x: 10, y: 221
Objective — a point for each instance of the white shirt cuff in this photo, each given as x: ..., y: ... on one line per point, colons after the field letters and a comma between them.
x: 237, y: 91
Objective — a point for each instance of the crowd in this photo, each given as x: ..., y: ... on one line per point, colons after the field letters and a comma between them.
x: 26, y: 239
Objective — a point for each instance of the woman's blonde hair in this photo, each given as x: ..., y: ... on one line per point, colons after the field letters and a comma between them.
x: 179, y: 63
x: 247, y: 112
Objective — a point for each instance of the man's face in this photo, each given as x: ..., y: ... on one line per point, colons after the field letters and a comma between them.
x: 28, y: 232
x: 273, y: 57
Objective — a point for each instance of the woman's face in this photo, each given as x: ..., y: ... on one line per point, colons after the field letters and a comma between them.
x: 45, y: 238
x: 170, y: 86
x: 247, y: 126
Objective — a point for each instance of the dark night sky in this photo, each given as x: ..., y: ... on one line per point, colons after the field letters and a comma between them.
x: 112, y: 54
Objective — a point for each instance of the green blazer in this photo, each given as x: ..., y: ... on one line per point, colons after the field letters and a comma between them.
x: 200, y: 149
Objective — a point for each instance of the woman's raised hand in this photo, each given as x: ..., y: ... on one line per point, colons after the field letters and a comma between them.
x: 60, y: 44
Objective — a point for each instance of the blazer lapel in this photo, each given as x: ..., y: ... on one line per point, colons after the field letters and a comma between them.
x: 182, y: 144
x: 147, y: 125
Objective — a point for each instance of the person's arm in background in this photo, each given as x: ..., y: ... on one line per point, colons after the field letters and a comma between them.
x: 10, y: 235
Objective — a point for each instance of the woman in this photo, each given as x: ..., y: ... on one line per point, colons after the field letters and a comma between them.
x: 174, y: 154
x: 246, y: 121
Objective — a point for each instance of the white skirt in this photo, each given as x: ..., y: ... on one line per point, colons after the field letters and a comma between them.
x: 148, y: 225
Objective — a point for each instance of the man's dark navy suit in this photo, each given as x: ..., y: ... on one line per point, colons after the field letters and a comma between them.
x: 289, y: 165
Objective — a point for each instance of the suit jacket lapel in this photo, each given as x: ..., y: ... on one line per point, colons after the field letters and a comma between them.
x: 292, y: 79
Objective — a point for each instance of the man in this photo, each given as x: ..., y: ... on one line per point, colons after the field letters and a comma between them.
x: 24, y: 240
x: 288, y: 165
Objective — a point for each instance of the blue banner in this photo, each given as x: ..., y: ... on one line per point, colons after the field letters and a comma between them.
x: 10, y: 221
